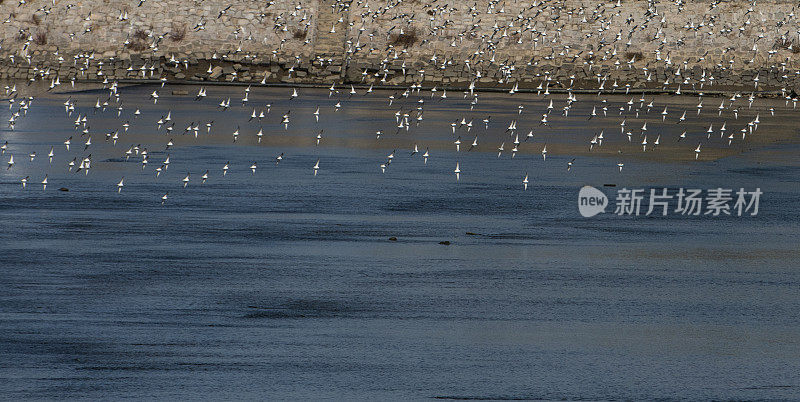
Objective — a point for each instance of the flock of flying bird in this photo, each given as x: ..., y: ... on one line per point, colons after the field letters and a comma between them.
x: 633, y: 114
x: 407, y: 117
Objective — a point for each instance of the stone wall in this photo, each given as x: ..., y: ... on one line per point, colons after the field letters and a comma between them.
x: 652, y: 44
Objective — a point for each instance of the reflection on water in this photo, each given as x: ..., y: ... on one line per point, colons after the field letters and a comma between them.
x: 286, y: 285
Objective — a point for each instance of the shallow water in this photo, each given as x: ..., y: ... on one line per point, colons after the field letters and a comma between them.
x: 283, y: 285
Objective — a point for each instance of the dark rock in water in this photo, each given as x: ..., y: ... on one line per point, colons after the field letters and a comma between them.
x: 609, y: 185
x: 446, y: 243
x: 63, y: 189
x: 393, y: 238
x: 472, y: 234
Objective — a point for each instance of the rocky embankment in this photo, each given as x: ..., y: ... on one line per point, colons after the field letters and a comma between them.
x: 533, y: 45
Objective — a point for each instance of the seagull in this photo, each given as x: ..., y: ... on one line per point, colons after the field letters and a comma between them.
x: 10, y: 162
x: 474, y: 144
x: 225, y: 169
x: 697, y: 152
x: 316, y: 167
x: 120, y: 185
x: 164, y: 198
x: 185, y: 180
x: 44, y: 183
x: 253, y: 168
x: 24, y: 181
x: 457, y: 171
x: 544, y: 153
x: 525, y: 181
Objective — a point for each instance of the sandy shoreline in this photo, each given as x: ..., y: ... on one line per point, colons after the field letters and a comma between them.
x: 40, y: 87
